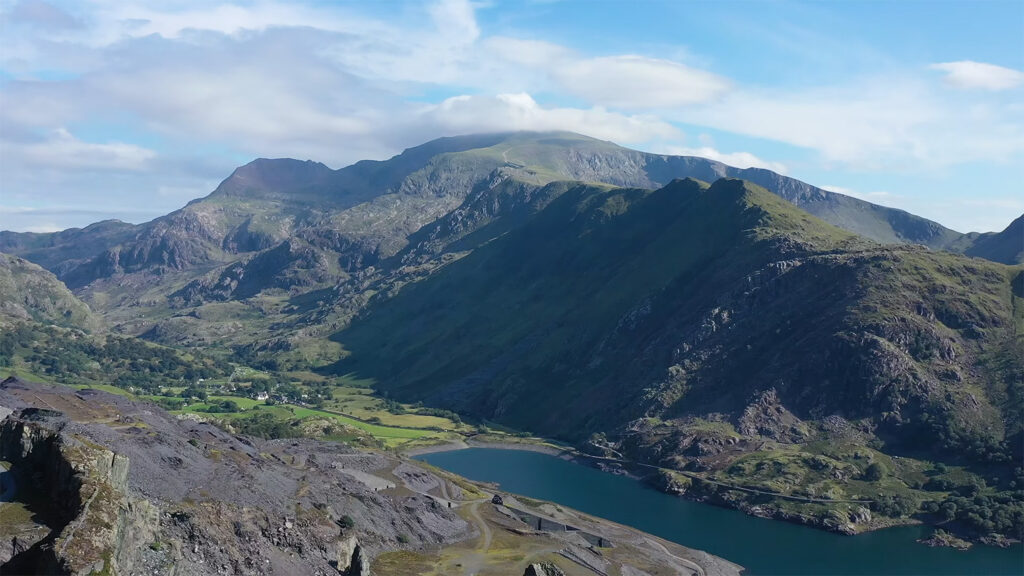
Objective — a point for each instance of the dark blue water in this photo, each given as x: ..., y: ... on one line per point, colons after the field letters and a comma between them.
x: 761, y: 546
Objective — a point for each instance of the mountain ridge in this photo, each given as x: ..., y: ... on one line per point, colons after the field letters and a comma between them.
x: 366, y: 179
x: 297, y: 227
x: 705, y: 327
x: 717, y: 329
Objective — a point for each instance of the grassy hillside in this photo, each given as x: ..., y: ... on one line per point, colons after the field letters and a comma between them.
x: 294, y: 249
x: 535, y: 305
x: 1006, y: 246
x: 30, y: 293
x: 698, y: 326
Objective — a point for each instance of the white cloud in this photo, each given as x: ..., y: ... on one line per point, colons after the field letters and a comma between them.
x: 455, y: 19
x: 462, y: 114
x: 968, y: 74
x: 43, y: 228
x: 532, y: 53
x: 735, y: 159
x: 63, y: 150
x: 211, y: 85
x: 59, y: 217
x: 877, y: 197
x: 880, y: 123
x: 638, y: 82
x: 119, y: 20
x: 42, y: 15
x: 978, y: 214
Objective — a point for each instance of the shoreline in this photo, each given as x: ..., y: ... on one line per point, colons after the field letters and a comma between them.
x: 622, y: 469
x: 497, y: 445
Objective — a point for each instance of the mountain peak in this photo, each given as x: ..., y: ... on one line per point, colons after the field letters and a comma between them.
x: 1006, y: 246
x: 273, y: 176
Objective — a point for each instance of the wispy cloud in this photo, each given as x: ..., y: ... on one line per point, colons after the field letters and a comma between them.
x: 979, y: 75
x: 736, y: 159
x: 462, y: 114
x: 62, y: 150
x: 982, y: 213
x: 636, y: 82
x: 211, y: 85
x: 876, y: 197
x: 876, y: 123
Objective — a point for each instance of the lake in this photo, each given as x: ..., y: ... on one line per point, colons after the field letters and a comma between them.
x: 761, y: 546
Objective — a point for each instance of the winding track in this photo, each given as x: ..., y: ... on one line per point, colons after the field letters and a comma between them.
x: 697, y: 570
x: 485, y: 530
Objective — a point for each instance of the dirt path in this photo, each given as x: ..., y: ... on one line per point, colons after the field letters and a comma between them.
x: 474, y: 562
x: 697, y: 570
x: 485, y: 530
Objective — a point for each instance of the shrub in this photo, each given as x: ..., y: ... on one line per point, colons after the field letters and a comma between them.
x: 875, y: 471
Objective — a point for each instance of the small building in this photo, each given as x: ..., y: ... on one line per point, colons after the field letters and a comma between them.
x: 497, y: 500
x: 262, y: 395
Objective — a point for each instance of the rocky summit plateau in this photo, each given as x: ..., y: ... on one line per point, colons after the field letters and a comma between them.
x: 237, y: 386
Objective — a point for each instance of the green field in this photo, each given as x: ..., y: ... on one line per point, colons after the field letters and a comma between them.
x: 390, y: 436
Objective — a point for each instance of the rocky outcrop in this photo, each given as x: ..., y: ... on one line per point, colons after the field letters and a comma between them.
x: 766, y: 416
x: 292, y: 264
x: 80, y: 488
x: 543, y: 569
x: 352, y: 560
x: 941, y: 538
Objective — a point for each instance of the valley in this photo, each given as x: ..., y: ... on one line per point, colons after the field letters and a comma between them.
x: 731, y: 336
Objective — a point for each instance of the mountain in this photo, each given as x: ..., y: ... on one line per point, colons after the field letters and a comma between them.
x: 281, y: 244
x: 30, y: 293
x: 734, y: 327
x: 1006, y: 246
x: 268, y: 200
x: 609, y: 294
x: 718, y: 330
x: 62, y: 251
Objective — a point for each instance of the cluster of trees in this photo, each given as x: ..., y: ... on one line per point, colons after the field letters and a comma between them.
x: 194, y: 391
x: 976, y: 507
x: 266, y: 425
x: 395, y: 407
x: 223, y: 407
x: 1001, y: 513
x: 75, y: 357
x: 895, y: 506
x: 441, y: 413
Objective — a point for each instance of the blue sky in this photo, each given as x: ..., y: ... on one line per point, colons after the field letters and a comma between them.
x: 130, y: 109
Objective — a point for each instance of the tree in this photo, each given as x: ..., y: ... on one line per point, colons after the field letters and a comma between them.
x: 875, y: 472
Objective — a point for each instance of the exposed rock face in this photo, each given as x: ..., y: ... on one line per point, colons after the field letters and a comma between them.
x: 218, y: 504
x: 292, y: 264
x: 96, y: 527
x: 861, y: 516
x: 543, y: 569
x: 766, y: 416
x: 351, y: 559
